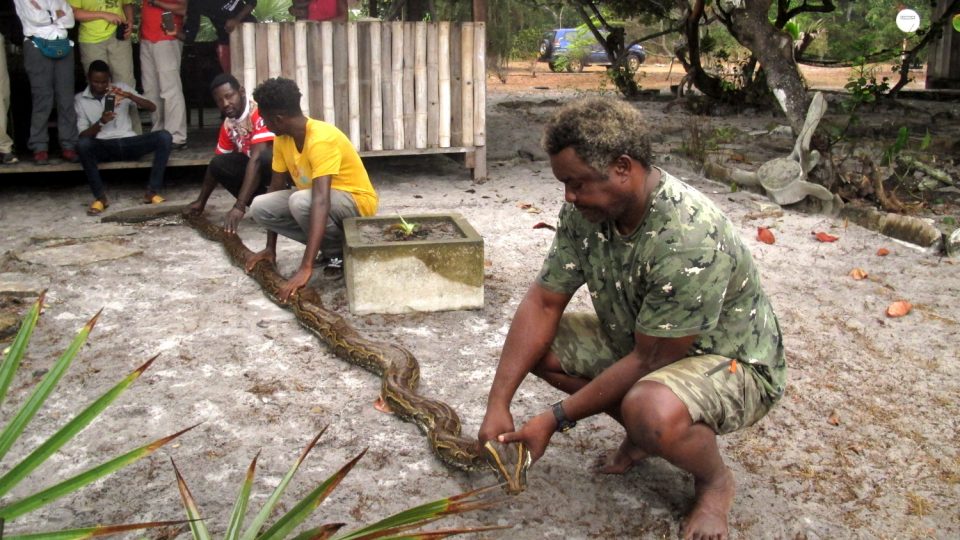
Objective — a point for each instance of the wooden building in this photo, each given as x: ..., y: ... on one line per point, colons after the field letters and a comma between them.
x: 395, y: 88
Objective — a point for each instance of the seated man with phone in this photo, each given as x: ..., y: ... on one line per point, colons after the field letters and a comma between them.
x: 103, y: 118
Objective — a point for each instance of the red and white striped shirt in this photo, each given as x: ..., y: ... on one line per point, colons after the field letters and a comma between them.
x: 238, y: 135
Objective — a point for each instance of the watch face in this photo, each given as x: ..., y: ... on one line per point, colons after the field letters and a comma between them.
x: 563, y: 423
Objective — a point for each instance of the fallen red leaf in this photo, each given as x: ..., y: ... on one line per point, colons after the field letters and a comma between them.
x: 899, y: 308
x: 542, y: 225
x: 858, y: 274
x: 834, y: 419
x: 381, y: 405
x: 764, y: 235
x: 883, y: 252
x: 824, y: 237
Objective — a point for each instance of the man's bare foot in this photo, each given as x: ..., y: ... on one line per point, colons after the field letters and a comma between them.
x: 708, y: 519
x: 620, y: 460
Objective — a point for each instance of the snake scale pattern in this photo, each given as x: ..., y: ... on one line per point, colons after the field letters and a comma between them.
x: 397, y: 367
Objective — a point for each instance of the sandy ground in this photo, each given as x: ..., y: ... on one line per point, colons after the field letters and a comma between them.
x: 864, y: 443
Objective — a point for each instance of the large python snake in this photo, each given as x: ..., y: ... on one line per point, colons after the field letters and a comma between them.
x: 396, y: 366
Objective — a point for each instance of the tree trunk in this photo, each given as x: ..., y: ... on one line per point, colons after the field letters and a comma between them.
x: 751, y: 27
x: 689, y: 54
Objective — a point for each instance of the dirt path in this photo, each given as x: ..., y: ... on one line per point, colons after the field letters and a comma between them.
x: 864, y: 444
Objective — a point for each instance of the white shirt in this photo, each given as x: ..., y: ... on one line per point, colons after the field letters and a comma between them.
x: 42, y: 22
x: 90, y: 109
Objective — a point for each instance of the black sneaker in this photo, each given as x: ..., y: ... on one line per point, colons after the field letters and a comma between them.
x: 9, y: 158
x: 332, y: 267
x: 178, y: 146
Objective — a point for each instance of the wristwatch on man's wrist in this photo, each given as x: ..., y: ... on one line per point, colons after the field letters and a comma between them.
x: 564, y: 424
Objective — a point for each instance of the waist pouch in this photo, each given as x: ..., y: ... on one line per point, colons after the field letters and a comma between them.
x: 52, y: 48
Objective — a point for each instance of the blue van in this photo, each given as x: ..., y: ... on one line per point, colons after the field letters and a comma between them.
x: 556, y: 43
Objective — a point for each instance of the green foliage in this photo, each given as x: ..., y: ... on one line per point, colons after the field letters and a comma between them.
x: 273, y: 10
x: 857, y: 29
x: 403, y: 522
x: 863, y: 86
x: 903, y: 136
x: 17, y: 426
x: 901, y: 143
x: 526, y: 44
x: 266, y: 11
x: 407, y: 229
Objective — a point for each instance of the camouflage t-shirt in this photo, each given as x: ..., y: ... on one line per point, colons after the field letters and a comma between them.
x: 683, y: 271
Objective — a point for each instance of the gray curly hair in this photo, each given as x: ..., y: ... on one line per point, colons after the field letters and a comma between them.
x: 599, y: 130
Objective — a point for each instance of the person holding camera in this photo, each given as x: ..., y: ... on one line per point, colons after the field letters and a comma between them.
x: 105, y: 29
x: 160, y: 53
x: 103, y: 118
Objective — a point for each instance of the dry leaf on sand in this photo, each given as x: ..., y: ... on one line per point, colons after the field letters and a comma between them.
x: 899, y: 308
x: 764, y: 235
x: 824, y: 237
x: 858, y: 274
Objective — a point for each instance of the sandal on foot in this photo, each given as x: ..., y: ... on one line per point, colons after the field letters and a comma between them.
x: 97, y: 207
x: 152, y: 198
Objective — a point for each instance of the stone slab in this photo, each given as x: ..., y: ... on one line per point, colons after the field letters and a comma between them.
x: 78, y: 254
x: 20, y: 285
x: 84, y: 232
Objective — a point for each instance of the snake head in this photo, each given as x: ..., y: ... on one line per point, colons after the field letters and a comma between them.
x: 510, y: 463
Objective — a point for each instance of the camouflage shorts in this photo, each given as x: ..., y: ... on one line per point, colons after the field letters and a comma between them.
x: 713, y: 395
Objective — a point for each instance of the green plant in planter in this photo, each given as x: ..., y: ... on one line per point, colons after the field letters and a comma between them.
x: 10, y: 510
x: 405, y: 229
x: 397, y: 526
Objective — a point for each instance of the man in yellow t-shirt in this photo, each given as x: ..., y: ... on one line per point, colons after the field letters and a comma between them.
x: 329, y: 184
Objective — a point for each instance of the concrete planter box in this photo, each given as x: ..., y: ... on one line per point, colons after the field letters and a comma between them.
x: 402, y: 276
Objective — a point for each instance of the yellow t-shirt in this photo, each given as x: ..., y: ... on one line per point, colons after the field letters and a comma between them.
x: 99, y: 30
x: 326, y: 152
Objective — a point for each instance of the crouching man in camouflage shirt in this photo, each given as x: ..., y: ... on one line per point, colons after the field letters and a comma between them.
x: 684, y: 345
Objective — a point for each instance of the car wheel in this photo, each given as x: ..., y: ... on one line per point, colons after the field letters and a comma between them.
x: 554, y: 67
x: 634, y: 61
x: 574, y: 66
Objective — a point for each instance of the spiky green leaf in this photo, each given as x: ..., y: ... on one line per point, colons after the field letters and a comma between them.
x: 19, y: 346
x: 197, y: 526
x: 240, y: 506
x: 425, y: 513
x: 319, y: 533
x: 42, y: 391
x: 253, y: 530
x: 91, y: 532
x: 302, y: 510
x: 67, y: 432
x: 72, y: 484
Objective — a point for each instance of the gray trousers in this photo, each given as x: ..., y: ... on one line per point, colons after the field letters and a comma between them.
x: 6, y: 143
x: 50, y: 79
x: 287, y: 213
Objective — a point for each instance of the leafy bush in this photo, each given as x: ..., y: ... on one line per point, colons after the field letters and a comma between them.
x: 401, y: 524
x: 10, y: 510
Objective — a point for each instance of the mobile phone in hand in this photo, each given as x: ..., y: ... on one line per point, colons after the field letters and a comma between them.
x: 109, y: 102
x: 121, y: 31
x: 166, y: 21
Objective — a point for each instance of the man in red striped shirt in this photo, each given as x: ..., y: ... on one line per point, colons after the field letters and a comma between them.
x: 244, y: 154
